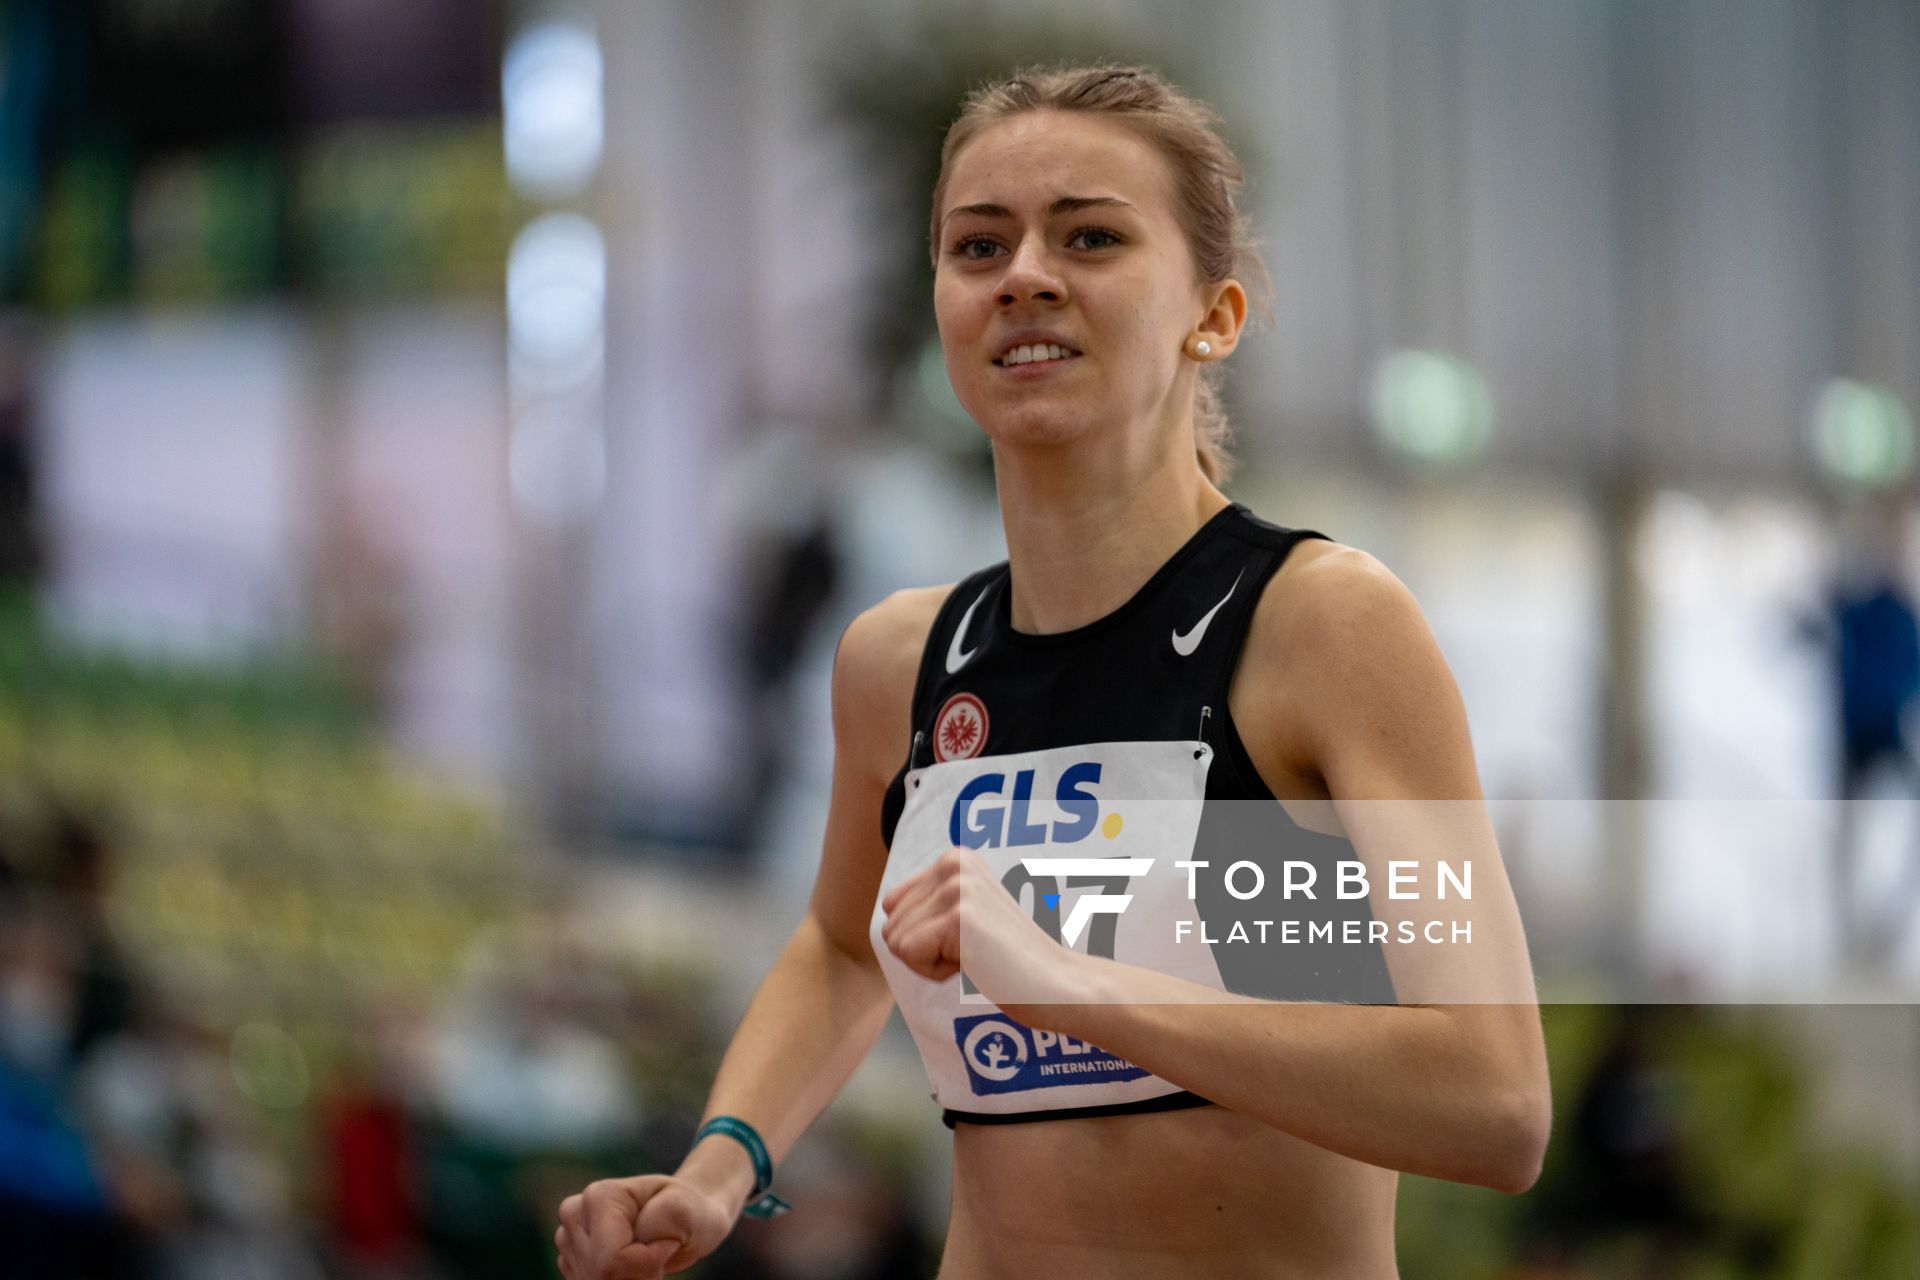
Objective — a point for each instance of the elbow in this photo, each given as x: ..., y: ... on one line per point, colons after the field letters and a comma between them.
x: 1522, y: 1126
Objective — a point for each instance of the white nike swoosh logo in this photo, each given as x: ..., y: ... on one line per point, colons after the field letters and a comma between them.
x: 955, y: 658
x: 1186, y: 644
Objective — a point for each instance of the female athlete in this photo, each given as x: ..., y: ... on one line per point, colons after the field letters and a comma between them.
x: 1146, y: 640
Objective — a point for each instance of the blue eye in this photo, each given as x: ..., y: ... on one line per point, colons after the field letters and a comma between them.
x: 966, y: 247
x: 1101, y: 234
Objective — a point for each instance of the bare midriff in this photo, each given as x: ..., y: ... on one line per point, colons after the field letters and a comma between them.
x: 1194, y: 1193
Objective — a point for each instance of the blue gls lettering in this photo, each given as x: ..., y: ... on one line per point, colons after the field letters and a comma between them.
x: 970, y: 835
x: 1019, y: 830
x: 1083, y: 808
x: 974, y: 825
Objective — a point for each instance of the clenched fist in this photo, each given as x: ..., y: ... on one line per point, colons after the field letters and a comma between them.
x: 957, y: 900
x: 639, y: 1228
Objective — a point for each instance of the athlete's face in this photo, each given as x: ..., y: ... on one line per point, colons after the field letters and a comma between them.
x: 1061, y: 226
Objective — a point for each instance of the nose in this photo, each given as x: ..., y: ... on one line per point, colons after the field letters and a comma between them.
x: 1031, y: 275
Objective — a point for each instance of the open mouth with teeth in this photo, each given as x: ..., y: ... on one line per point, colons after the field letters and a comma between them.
x: 1036, y: 353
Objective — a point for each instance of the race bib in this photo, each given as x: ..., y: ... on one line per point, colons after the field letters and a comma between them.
x: 1087, y: 839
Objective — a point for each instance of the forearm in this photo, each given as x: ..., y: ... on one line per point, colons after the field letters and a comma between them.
x: 810, y: 1024
x: 1454, y: 1092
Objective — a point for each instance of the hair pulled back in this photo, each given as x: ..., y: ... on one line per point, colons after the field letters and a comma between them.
x: 1207, y: 181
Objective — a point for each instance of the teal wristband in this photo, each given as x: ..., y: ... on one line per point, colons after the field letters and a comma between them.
x: 762, y: 1203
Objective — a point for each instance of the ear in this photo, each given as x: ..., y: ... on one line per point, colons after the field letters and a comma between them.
x: 1224, y: 318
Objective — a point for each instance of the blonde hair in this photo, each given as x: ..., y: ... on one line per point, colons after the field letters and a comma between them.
x: 1207, y: 179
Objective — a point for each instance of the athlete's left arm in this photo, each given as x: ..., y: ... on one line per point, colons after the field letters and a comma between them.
x: 1451, y: 1082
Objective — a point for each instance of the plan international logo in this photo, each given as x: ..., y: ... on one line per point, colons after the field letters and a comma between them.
x: 1004, y: 1056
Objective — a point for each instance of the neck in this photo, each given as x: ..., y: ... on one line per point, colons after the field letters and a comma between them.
x: 1080, y: 545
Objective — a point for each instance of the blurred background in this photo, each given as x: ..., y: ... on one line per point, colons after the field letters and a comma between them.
x: 441, y: 442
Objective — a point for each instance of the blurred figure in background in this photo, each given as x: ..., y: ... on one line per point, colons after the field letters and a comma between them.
x: 799, y: 571
x: 19, y: 544
x: 82, y: 874
x: 1874, y: 643
x: 362, y: 615
x: 521, y: 1084
x: 371, y: 1149
x: 786, y: 488
x: 73, y: 1201
x: 57, y: 1213
x: 191, y: 1167
x: 1630, y: 1184
x: 126, y: 1152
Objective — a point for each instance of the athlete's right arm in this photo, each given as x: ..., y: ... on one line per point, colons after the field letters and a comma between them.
x: 818, y: 1012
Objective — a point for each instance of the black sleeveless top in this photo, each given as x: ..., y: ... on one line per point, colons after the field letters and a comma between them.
x: 1157, y: 668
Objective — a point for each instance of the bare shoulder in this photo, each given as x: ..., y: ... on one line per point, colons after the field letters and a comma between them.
x: 873, y: 675
x: 1335, y: 606
x: 1346, y: 671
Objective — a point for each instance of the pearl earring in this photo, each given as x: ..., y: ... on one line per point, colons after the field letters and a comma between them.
x: 1202, y: 348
